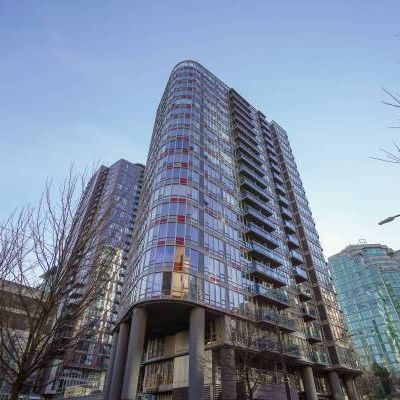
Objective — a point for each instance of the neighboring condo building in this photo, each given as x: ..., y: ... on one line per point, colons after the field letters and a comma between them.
x: 367, y: 280
x: 225, y: 250
x: 110, y: 199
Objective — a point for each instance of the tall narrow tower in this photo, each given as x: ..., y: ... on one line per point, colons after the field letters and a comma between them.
x: 110, y: 199
x: 226, y: 274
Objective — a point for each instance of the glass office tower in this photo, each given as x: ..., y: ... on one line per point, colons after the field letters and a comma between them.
x: 224, y: 243
x: 110, y: 199
x: 367, y: 279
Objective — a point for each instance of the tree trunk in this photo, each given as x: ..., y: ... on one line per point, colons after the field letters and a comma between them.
x: 16, y: 388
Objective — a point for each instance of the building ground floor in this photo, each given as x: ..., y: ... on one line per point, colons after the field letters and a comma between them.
x: 170, y: 351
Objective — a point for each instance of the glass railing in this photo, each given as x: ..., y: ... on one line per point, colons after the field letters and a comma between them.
x: 276, y: 319
x: 262, y: 182
x: 313, y: 333
x: 270, y: 254
x: 265, y: 270
x: 295, y: 254
x: 293, y: 239
x: 289, y: 225
x: 263, y: 233
x: 273, y: 294
x: 258, y: 201
x: 309, y: 311
x: 251, y: 162
x: 252, y: 185
x: 300, y: 272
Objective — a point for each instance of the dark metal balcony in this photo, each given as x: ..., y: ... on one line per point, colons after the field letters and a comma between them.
x: 280, y: 189
x: 261, y: 252
x: 261, y: 234
x: 309, y: 313
x: 286, y: 213
x: 251, y: 214
x: 267, y: 274
x: 274, y: 319
x: 304, y: 293
x: 250, y: 173
x: 283, y: 200
x: 245, y: 132
x: 243, y: 121
x: 293, y: 242
x: 254, y: 200
x: 240, y: 101
x: 277, y: 177
x: 248, y: 152
x: 272, y: 345
x: 300, y: 275
x: 250, y: 162
x: 275, y: 164
x: 244, y: 139
x: 242, y: 146
x: 270, y: 295
x: 319, y: 357
x: 313, y: 334
x: 253, y: 187
x: 237, y: 111
x: 289, y: 227
x: 296, y: 257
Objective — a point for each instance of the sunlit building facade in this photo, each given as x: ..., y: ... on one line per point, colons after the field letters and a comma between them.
x: 367, y: 279
x: 225, y: 248
x: 110, y: 199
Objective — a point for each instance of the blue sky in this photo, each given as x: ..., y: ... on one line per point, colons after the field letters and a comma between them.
x: 80, y: 82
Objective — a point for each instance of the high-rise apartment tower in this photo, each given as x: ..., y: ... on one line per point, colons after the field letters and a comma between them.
x: 367, y: 279
x: 110, y: 199
x: 226, y: 278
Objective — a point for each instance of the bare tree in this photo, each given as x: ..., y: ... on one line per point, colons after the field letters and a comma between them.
x: 56, y: 263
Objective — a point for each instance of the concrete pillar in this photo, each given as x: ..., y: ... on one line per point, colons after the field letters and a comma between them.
x: 228, y: 373
x: 119, y: 362
x: 309, y: 383
x: 134, y: 354
x: 336, y: 387
x: 351, y: 388
x: 196, y: 354
x: 107, y: 383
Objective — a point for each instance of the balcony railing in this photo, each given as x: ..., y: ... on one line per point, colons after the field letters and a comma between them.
x: 258, y: 168
x: 261, y: 234
x: 267, y: 274
x: 286, y: 212
x: 263, y: 252
x: 249, y: 197
x: 271, y: 295
x: 280, y: 188
x: 253, y: 187
x: 245, y: 139
x: 309, y: 313
x: 252, y: 214
x: 283, y: 200
x: 251, y: 174
x: 304, y: 293
x: 293, y: 242
x: 313, y: 334
x: 300, y: 275
x: 296, y: 257
x: 272, y: 319
x: 289, y: 226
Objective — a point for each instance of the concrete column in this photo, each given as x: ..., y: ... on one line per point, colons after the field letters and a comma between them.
x: 119, y: 362
x: 196, y: 354
x: 228, y: 373
x: 336, y: 387
x: 107, y: 383
x: 134, y: 354
x: 309, y: 383
x: 351, y: 388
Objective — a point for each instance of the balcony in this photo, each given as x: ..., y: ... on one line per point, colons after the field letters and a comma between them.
x: 293, y: 242
x: 243, y: 147
x: 251, y: 163
x: 277, y: 177
x: 280, y: 189
x: 313, y: 335
x: 304, y: 293
x: 261, y: 252
x: 269, y: 344
x: 261, y: 234
x: 253, y: 188
x: 270, y: 295
x: 254, y: 200
x: 300, y: 275
x: 271, y: 318
x: 296, y: 257
x: 241, y: 113
x: 286, y: 213
x: 251, y: 214
x: 244, y: 143
x: 319, y: 357
x: 275, y: 164
x: 251, y: 174
x: 265, y: 273
x: 239, y: 119
x: 289, y: 227
x: 309, y: 313
x: 283, y: 200
x: 240, y: 101
x: 245, y: 139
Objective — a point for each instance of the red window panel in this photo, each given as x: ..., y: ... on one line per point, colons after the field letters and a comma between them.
x: 180, y: 218
x: 183, y: 181
x: 180, y: 241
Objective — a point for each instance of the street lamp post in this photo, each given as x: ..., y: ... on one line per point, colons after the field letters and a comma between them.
x: 389, y: 219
